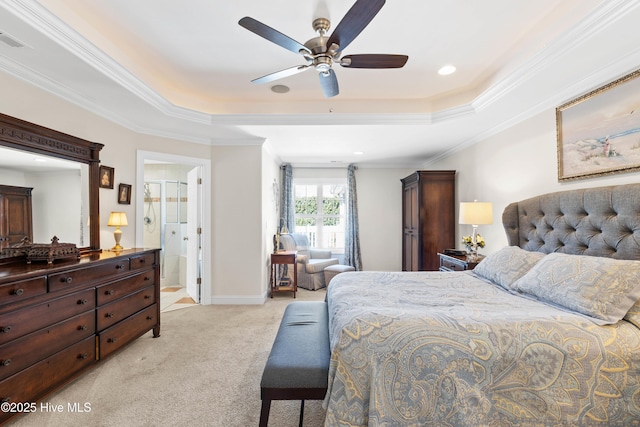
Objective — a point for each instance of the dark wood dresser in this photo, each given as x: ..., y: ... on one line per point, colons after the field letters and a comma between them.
x: 57, y: 320
x: 428, y: 218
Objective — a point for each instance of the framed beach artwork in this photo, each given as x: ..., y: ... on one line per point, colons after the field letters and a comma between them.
x: 599, y: 132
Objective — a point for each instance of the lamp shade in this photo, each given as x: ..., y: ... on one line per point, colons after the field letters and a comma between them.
x: 117, y: 219
x: 476, y: 213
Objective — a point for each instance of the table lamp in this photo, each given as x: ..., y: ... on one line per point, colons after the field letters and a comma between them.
x: 475, y: 213
x: 117, y: 220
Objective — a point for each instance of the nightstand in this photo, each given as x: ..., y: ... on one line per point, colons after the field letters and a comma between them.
x: 458, y: 263
x: 282, y: 258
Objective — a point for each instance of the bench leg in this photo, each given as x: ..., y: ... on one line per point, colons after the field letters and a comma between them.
x: 264, y: 412
x: 301, y: 413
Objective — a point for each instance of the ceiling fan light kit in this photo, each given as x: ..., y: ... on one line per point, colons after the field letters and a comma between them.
x: 322, y: 52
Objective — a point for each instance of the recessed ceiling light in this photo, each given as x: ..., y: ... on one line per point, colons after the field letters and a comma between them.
x: 446, y: 70
x: 39, y: 159
x: 358, y: 153
x: 280, y: 89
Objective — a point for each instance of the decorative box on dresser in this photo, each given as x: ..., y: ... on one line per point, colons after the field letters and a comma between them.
x: 58, y: 319
x: 428, y: 218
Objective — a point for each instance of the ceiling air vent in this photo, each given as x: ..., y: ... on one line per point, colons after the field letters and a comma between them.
x: 8, y: 40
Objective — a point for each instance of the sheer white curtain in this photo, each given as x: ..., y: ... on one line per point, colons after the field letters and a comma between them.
x: 352, y: 236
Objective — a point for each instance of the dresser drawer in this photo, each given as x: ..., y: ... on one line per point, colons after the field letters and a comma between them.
x: 449, y: 265
x: 41, y: 378
x: 82, y: 276
x: 142, y: 261
x: 124, y: 332
x: 116, y: 311
x: 115, y: 290
x: 25, y: 351
x: 17, y: 291
x: 30, y: 319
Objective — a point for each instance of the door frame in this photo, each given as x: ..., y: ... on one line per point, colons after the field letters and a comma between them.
x: 205, y: 203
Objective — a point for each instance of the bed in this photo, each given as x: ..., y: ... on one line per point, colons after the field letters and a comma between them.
x: 544, y: 332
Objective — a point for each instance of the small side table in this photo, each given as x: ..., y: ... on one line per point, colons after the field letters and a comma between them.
x: 458, y: 263
x: 282, y: 258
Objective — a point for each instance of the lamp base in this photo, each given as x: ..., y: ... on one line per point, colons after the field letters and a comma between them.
x: 474, y: 244
x: 117, y: 235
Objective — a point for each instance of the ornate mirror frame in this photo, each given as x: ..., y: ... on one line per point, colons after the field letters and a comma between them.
x: 22, y: 135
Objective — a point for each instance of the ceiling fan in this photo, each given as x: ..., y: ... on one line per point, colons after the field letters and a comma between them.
x: 322, y: 52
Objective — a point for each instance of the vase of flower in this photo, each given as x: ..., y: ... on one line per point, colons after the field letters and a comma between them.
x: 472, y: 246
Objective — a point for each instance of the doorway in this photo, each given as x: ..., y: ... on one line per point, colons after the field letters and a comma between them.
x: 171, y: 215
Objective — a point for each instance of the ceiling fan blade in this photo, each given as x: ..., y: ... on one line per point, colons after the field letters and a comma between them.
x: 356, y: 19
x: 374, y: 61
x: 329, y: 83
x: 281, y: 74
x: 272, y: 35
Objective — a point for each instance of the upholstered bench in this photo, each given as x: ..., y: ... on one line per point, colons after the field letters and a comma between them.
x: 333, y: 270
x: 298, y: 365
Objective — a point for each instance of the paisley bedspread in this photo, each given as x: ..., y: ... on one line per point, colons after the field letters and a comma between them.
x: 448, y: 349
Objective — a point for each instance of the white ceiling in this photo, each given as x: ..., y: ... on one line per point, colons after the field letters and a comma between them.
x: 182, y: 69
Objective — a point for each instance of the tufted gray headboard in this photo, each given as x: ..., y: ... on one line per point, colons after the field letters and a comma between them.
x: 603, y: 221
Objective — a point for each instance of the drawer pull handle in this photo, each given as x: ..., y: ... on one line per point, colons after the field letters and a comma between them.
x: 119, y: 267
x: 82, y: 328
x: 142, y: 261
x: 146, y: 279
x: 147, y: 297
x: 18, y: 291
x: 109, y: 315
x: 5, y: 362
x: 149, y: 317
x: 110, y: 292
x: 111, y: 340
x: 5, y: 329
x: 83, y: 356
x: 66, y: 279
x: 82, y: 302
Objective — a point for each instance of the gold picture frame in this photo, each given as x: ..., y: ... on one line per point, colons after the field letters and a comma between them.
x: 599, y: 133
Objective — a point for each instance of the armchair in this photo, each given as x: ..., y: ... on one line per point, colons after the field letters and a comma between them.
x: 310, y: 262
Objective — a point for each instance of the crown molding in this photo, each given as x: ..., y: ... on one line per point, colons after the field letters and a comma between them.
x: 596, y: 22
x: 49, y: 25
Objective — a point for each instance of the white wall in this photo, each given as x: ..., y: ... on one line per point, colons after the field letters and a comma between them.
x: 380, y: 217
x: 270, y: 209
x: 11, y: 177
x: 518, y: 163
x: 60, y: 193
x: 238, y: 243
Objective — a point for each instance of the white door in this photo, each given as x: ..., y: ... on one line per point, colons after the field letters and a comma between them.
x: 193, y: 233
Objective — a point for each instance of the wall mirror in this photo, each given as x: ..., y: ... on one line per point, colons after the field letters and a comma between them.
x: 63, y: 172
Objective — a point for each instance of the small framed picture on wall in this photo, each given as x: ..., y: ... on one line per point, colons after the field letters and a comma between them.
x: 124, y: 194
x: 106, y: 177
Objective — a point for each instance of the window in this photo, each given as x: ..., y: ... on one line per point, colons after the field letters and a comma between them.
x: 320, y: 214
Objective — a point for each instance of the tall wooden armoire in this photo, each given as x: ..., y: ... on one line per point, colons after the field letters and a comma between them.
x: 15, y: 215
x: 428, y: 218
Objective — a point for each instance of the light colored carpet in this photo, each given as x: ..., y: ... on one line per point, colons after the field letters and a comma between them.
x: 204, y: 370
